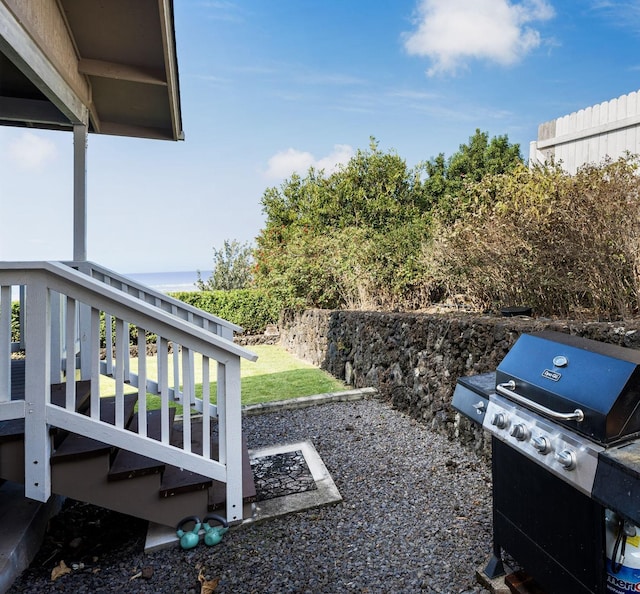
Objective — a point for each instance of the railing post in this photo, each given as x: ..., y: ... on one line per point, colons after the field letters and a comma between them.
x: 233, y: 439
x: 37, y: 444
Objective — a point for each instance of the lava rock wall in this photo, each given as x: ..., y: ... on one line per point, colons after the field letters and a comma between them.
x: 413, y: 360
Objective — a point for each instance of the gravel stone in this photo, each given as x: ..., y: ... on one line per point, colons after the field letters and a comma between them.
x: 415, y: 517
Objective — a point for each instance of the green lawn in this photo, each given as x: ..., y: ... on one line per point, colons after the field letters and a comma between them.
x: 276, y: 375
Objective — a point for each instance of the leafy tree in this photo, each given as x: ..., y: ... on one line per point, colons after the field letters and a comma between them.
x: 354, y: 238
x: 448, y: 180
x: 232, y: 268
x: 327, y: 238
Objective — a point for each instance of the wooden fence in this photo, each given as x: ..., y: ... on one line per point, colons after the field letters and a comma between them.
x: 609, y: 129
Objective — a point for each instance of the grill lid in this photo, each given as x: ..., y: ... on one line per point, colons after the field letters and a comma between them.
x: 563, y: 373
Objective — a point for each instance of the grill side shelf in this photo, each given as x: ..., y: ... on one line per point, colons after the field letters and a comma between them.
x: 617, y: 481
x: 471, y: 395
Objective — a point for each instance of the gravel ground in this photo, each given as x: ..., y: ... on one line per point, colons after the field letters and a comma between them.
x: 416, y: 517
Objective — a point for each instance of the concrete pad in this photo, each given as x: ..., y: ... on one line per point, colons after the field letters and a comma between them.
x: 24, y: 522
x: 326, y: 493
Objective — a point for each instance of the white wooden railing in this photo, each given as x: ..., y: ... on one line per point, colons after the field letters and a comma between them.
x: 62, y: 301
x: 149, y: 295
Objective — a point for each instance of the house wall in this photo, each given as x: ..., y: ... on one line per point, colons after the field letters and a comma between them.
x: 414, y: 359
x: 608, y: 129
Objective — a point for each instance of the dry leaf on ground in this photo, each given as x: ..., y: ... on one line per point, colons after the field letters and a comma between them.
x: 208, y: 586
x: 59, y: 571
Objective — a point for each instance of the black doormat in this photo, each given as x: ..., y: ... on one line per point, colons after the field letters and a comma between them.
x: 281, y: 474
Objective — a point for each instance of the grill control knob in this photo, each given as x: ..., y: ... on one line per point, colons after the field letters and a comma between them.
x: 499, y: 420
x: 566, y: 459
x: 541, y: 444
x: 519, y: 431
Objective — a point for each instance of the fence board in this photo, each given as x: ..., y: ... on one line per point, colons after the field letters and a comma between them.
x: 609, y: 129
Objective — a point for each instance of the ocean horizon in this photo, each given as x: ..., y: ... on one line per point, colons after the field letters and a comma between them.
x: 165, y: 282
x: 170, y: 282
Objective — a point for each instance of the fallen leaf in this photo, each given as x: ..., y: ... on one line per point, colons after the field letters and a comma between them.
x: 59, y: 571
x: 208, y: 586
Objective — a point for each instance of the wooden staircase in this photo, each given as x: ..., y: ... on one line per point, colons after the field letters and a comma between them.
x: 88, y: 470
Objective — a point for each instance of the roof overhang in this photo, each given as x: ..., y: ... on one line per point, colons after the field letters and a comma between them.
x: 109, y: 64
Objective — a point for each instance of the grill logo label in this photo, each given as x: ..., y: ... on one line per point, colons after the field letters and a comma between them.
x: 554, y: 376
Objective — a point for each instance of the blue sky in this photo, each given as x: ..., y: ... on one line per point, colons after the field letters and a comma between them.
x: 272, y: 87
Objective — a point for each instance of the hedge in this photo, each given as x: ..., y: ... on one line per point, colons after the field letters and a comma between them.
x: 252, y: 309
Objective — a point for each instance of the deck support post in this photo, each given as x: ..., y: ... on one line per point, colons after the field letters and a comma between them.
x: 80, y: 134
x: 80, y: 140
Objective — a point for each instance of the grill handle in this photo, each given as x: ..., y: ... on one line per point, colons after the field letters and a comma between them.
x: 507, y: 389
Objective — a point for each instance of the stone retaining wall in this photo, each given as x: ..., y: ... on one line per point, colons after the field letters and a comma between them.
x: 413, y: 360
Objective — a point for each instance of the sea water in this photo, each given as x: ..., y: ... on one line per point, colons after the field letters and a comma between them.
x: 170, y: 282
x: 165, y: 282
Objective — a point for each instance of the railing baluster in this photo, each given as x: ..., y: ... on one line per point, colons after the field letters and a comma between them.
x: 57, y: 336
x: 23, y: 316
x: 163, y: 384
x: 108, y: 339
x: 5, y: 343
x: 121, y: 347
x: 206, y: 406
x: 142, y: 382
x: 187, y: 392
x: 178, y: 396
x: 85, y: 334
x: 70, y: 357
x: 127, y: 359
x: 94, y: 346
x: 221, y: 404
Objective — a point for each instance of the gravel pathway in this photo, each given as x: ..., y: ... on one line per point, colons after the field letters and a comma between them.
x: 416, y: 517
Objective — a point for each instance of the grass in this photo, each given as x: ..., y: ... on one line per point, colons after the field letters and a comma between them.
x: 276, y: 375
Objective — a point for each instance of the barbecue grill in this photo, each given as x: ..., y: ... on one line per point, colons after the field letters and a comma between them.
x: 564, y: 417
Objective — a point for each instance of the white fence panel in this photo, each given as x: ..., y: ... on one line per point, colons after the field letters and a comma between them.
x: 610, y: 129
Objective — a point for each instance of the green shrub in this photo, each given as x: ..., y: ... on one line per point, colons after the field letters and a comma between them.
x: 15, y: 321
x: 253, y: 309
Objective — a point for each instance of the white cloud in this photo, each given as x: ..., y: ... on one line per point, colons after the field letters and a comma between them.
x: 30, y: 151
x: 284, y: 163
x: 451, y: 32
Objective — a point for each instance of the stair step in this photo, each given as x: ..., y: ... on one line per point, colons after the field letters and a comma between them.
x: 128, y: 464
x: 83, y: 394
x: 76, y: 447
x: 17, y: 379
x: 58, y: 391
x: 13, y: 429
x: 176, y: 480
